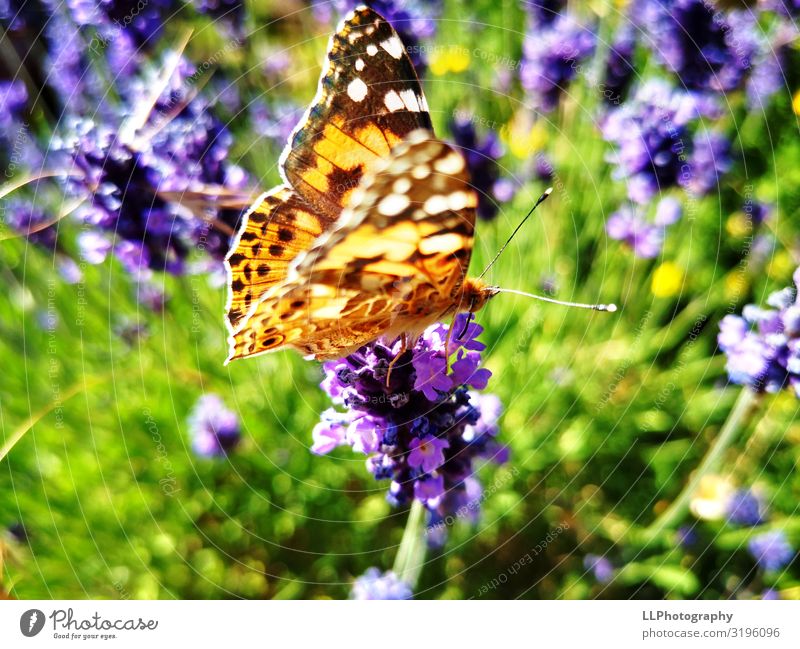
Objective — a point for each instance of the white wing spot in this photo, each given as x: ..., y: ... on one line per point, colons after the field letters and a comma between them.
x: 357, y: 90
x: 393, y: 204
x: 401, y: 185
x: 458, y: 200
x: 451, y: 164
x: 436, y: 204
x: 441, y: 244
x: 420, y: 172
x: 423, y: 103
x: 371, y: 49
x: 393, y: 46
x: 393, y: 101
x: 410, y: 100
x: 359, y: 64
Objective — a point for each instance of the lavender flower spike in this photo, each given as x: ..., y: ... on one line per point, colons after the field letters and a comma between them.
x: 426, y: 429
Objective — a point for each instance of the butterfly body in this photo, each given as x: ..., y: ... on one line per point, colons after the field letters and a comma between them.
x: 371, y: 233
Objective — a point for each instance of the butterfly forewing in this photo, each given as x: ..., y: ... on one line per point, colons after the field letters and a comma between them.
x: 394, y: 262
x: 369, y: 99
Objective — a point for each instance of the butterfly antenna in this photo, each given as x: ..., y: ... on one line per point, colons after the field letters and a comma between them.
x: 541, y: 200
x: 610, y: 308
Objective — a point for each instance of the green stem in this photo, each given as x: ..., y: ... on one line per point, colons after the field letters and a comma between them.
x: 738, y: 417
x: 411, y: 553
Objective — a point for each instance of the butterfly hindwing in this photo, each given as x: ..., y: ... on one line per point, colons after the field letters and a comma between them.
x: 393, y: 262
x: 278, y: 227
x: 369, y: 98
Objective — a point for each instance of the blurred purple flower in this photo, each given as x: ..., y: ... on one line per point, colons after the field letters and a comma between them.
x: 708, y: 49
x: 654, y: 146
x: 213, y: 428
x: 746, y: 508
x: 600, y: 567
x: 619, y: 70
x: 757, y: 212
x: 668, y: 212
x: 425, y: 430
x: 376, y: 585
x: 31, y: 222
x: 543, y: 12
x: 708, y: 162
x: 228, y: 15
x: 503, y: 190
x: 543, y: 168
x: 141, y: 21
x: 771, y: 550
x: 783, y: 7
x: 141, y: 187
x: 763, y: 345
x: 627, y: 226
x: 274, y: 122
x: 552, y: 56
x: 687, y: 536
x: 13, y: 100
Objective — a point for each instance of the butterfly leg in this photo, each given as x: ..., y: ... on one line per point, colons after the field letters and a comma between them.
x: 397, y: 358
x: 447, y: 347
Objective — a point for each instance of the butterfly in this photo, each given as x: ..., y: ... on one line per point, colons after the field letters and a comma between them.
x: 370, y: 234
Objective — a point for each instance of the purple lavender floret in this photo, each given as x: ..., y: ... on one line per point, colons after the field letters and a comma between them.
x: 763, y: 345
x: 214, y: 429
x: 428, y: 427
x: 376, y: 585
x: 552, y: 56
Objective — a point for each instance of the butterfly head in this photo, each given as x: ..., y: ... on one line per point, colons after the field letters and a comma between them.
x: 476, y: 293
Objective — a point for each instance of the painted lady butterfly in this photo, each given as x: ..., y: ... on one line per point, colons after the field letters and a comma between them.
x: 371, y: 233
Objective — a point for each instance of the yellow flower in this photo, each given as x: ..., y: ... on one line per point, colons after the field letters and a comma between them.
x: 735, y: 285
x: 737, y: 225
x: 780, y: 266
x: 454, y: 59
x: 522, y: 140
x: 710, y: 501
x: 796, y: 103
x: 667, y: 280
